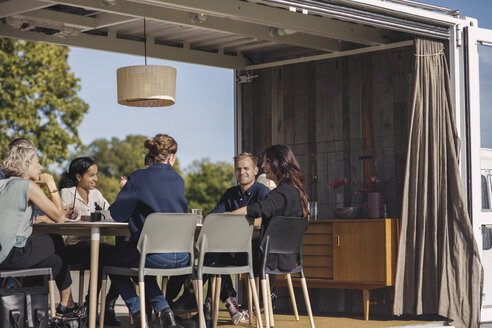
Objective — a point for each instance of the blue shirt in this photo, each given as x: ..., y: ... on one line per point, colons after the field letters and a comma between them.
x: 234, y: 199
x: 155, y: 189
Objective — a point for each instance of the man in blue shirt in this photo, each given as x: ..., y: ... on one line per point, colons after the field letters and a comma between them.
x: 246, y: 192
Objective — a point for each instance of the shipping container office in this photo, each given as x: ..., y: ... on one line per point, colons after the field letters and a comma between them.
x: 284, y: 54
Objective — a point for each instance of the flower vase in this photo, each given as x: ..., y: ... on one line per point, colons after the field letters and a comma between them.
x: 375, y: 205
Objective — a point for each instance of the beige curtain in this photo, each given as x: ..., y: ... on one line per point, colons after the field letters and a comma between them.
x: 438, y: 269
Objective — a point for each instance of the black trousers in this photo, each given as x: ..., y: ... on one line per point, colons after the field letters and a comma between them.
x: 43, y: 251
x: 80, y: 253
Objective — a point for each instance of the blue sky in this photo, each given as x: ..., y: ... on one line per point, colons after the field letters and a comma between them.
x: 202, y: 120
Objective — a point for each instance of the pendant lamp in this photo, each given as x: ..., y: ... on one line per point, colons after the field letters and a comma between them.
x: 146, y: 85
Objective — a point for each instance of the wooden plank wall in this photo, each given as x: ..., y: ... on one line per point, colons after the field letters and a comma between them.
x: 316, y: 108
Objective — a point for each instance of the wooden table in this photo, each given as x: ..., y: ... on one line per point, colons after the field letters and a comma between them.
x: 95, y: 230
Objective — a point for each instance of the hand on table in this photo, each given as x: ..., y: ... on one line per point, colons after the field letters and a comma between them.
x: 71, y: 213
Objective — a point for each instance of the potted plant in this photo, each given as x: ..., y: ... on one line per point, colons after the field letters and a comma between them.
x: 373, y: 186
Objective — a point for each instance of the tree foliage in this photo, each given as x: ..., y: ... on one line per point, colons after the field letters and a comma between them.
x: 38, y: 97
x: 205, y: 183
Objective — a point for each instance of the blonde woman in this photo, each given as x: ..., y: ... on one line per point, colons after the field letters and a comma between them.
x: 18, y: 192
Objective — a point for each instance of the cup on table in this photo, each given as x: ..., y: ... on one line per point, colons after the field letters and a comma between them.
x: 97, y: 216
x: 198, y: 211
x: 85, y: 218
x: 313, y: 210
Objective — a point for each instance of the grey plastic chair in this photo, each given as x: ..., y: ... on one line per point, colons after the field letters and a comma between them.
x: 225, y: 233
x: 161, y: 233
x: 35, y: 272
x: 283, y: 237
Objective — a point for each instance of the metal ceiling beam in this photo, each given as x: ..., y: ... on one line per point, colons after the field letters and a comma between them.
x: 16, y: 7
x: 281, y: 18
x: 224, y: 25
x: 352, y: 52
x: 63, y: 19
x: 118, y: 45
x: 109, y: 19
x: 82, y: 22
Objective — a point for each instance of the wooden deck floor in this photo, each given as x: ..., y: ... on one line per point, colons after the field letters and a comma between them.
x: 288, y: 321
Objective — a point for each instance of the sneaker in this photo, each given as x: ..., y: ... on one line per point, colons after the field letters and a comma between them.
x: 235, y: 311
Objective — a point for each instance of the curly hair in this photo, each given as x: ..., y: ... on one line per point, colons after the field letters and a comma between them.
x: 160, y: 147
x: 13, y: 165
x: 78, y: 166
x: 285, y: 167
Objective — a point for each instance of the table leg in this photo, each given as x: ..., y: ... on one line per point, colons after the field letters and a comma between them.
x: 95, y: 238
x: 366, y: 296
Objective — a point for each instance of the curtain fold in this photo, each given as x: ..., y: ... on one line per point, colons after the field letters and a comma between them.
x: 438, y: 268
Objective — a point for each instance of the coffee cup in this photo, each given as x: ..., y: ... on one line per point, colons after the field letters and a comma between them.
x: 97, y: 216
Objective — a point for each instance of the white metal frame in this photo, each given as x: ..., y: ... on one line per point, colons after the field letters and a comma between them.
x: 476, y: 36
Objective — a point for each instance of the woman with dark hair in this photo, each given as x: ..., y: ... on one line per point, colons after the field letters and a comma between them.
x: 159, y: 188
x: 80, y: 198
x: 78, y: 188
x: 288, y: 199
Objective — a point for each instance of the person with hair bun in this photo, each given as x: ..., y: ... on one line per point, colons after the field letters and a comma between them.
x: 19, y: 191
x: 159, y: 188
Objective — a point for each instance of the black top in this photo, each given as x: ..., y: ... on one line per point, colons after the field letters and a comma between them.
x: 155, y: 189
x: 281, y: 201
x: 233, y: 198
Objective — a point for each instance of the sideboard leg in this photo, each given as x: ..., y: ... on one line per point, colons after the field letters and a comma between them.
x: 365, y: 299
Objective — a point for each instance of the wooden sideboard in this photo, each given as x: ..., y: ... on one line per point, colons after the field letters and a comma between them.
x: 350, y: 254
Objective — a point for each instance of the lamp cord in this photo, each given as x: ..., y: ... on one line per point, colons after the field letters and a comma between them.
x: 145, y: 43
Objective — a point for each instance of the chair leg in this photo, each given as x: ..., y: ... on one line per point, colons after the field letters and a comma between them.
x: 216, y: 300
x: 211, y: 286
x: 308, y: 302
x: 164, y: 285
x: 292, y: 297
x: 269, y: 297
x: 250, y: 299
x: 102, y: 311
x: 200, y: 303
x: 266, y: 306
x: 255, y: 300
x: 51, y: 287
x: 81, y: 286
x: 143, y: 314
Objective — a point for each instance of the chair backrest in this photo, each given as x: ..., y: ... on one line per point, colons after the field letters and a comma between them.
x: 225, y: 233
x: 284, y: 235
x: 168, y: 233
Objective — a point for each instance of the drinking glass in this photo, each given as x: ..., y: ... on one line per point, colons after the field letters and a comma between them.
x: 313, y: 210
x: 198, y: 211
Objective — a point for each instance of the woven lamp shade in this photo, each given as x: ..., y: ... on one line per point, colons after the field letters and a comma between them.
x: 146, y: 85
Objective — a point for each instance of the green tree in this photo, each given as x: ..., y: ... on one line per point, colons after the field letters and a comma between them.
x: 38, y: 98
x: 205, y: 183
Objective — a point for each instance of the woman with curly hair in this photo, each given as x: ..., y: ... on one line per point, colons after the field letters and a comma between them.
x: 19, y: 191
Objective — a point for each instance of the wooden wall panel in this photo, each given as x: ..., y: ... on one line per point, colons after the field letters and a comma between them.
x: 318, y: 109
